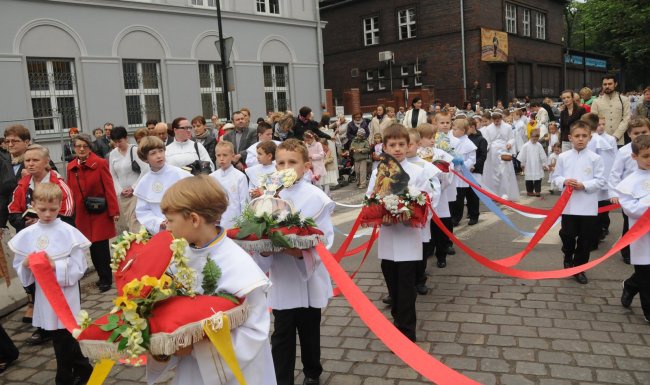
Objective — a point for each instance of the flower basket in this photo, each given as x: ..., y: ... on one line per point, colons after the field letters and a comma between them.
x: 298, y: 238
x: 411, y: 210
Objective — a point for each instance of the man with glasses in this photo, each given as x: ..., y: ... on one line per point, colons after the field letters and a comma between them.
x: 183, y: 151
x: 616, y: 109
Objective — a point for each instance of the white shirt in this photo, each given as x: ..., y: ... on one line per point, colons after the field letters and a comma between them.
x: 235, y: 184
x: 251, y: 157
x: 533, y: 159
x: 521, y: 136
x: 241, y: 277
x: 466, y: 149
x: 623, y: 166
x: 587, y: 168
x: 401, y: 243
x: 181, y: 154
x: 634, y: 197
x: 253, y: 174
x: 66, y: 246
x: 433, y: 173
x: 447, y: 184
x: 120, y: 165
x: 302, y: 282
x: 607, y: 150
x: 150, y: 191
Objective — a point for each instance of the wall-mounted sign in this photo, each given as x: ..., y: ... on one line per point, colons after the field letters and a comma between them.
x: 591, y: 62
x: 494, y: 45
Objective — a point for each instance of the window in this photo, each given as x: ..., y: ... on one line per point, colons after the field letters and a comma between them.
x: 416, y: 69
x: 511, y: 18
x: 405, y: 83
x: 370, y: 86
x: 53, y: 92
x: 276, y: 87
x: 371, y: 30
x: 540, y: 24
x: 369, y: 75
x: 143, y: 91
x: 417, y: 81
x: 404, y: 70
x: 381, y: 85
x: 268, y: 6
x: 381, y: 74
x: 203, y: 3
x: 406, y: 22
x: 525, y: 21
x: 211, y: 84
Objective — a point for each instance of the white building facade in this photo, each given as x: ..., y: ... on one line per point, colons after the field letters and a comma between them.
x: 81, y: 63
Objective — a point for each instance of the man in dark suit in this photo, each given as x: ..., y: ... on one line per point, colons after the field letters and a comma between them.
x: 241, y: 137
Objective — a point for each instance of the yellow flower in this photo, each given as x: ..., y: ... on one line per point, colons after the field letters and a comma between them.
x: 124, y: 303
x: 133, y: 288
x: 150, y: 281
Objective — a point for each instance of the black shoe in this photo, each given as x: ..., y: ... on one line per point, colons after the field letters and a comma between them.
x: 626, y: 260
x: 441, y: 264
x: 311, y: 381
x: 581, y: 278
x: 6, y: 364
x: 104, y: 287
x: 472, y: 221
x: 422, y: 289
x: 451, y: 251
x: 39, y: 337
x: 626, y: 297
x: 388, y: 301
x: 455, y: 223
x: 568, y: 264
x: 604, y: 234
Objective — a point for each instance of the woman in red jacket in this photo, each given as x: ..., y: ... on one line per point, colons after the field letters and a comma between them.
x: 90, y: 180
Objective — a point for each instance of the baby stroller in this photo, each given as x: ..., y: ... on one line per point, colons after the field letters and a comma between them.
x: 346, y: 169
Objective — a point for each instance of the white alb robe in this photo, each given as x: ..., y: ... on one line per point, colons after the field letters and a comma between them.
x: 66, y: 246
x: 447, y: 185
x: 241, y: 277
x: 235, y: 184
x: 533, y: 159
x: 401, y: 243
x: 587, y: 168
x: 634, y: 197
x: 499, y: 175
x: 623, y: 166
x: 433, y: 174
x: 466, y: 149
x: 607, y: 151
x: 251, y: 151
x: 520, y: 133
x: 150, y: 190
x: 254, y: 172
x: 302, y: 282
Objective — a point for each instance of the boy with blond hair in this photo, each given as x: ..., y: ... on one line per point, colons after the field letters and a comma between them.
x: 232, y: 180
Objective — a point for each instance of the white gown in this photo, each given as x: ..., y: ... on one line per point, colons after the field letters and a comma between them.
x: 251, y: 151
x: 623, y: 166
x: 235, y: 184
x: 447, y: 185
x: 433, y: 175
x: 634, y: 196
x: 499, y: 175
x: 587, y: 168
x: 66, y: 246
x: 150, y: 190
x: 533, y: 159
x: 607, y: 151
x: 466, y: 149
x: 254, y: 172
x: 241, y: 277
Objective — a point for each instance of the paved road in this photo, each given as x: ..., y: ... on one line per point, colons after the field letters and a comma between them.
x: 494, y: 329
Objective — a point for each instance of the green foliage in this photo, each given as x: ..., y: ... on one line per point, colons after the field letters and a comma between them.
x: 211, y: 276
x: 280, y: 240
x: 227, y: 296
x: 266, y: 225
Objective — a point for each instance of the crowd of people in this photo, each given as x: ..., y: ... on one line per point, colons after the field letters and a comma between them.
x: 195, y: 179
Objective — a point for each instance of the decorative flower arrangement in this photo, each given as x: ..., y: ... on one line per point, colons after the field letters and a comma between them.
x: 129, y: 322
x: 270, y: 224
x: 443, y: 142
x: 409, y: 208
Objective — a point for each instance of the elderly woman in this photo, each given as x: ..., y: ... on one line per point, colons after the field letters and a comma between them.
x: 97, y: 208
x: 36, y: 160
x: 126, y: 169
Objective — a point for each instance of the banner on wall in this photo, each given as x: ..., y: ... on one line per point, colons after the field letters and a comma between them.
x: 494, y: 45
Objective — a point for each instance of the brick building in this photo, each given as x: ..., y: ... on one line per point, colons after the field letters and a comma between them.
x: 425, y: 38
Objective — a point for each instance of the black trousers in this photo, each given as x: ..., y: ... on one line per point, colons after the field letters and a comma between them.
x: 625, y: 252
x: 603, y: 218
x: 8, y: 351
x: 472, y: 204
x: 535, y: 185
x: 639, y: 282
x: 577, y: 234
x: 100, y: 254
x: 456, y: 208
x: 283, y: 343
x: 70, y: 363
x: 400, y: 280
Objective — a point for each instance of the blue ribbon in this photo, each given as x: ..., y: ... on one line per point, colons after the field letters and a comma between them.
x: 489, y: 203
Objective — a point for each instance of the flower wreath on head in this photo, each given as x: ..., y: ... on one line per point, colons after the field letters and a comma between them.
x: 157, y: 309
x: 392, y: 199
x: 271, y: 224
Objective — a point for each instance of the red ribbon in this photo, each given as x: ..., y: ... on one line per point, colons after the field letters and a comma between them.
x: 46, y: 279
x: 416, y: 358
x: 517, y: 206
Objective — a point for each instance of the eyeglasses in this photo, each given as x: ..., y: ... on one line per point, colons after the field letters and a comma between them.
x: 81, y: 146
x: 185, y: 128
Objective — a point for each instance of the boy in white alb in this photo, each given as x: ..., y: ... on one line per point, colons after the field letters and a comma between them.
x: 65, y: 247
x: 301, y: 284
x: 264, y: 134
x: 623, y: 166
x: 465, y: 149
x: 583, y: 170
x: 233, y: 181
x: 192, y: 207
x: 433, y: 174
x: 634, y: 196
x: 152, y: 186
x: 533, y: 161
x: 400, y: 246
x: 265, y: 166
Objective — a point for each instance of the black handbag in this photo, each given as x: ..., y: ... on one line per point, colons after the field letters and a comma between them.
x: 94, y: 205
x: 134, y: 164
x: 199, y: 166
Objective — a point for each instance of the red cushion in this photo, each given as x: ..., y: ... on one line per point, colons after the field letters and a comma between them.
x: 150, y: 259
